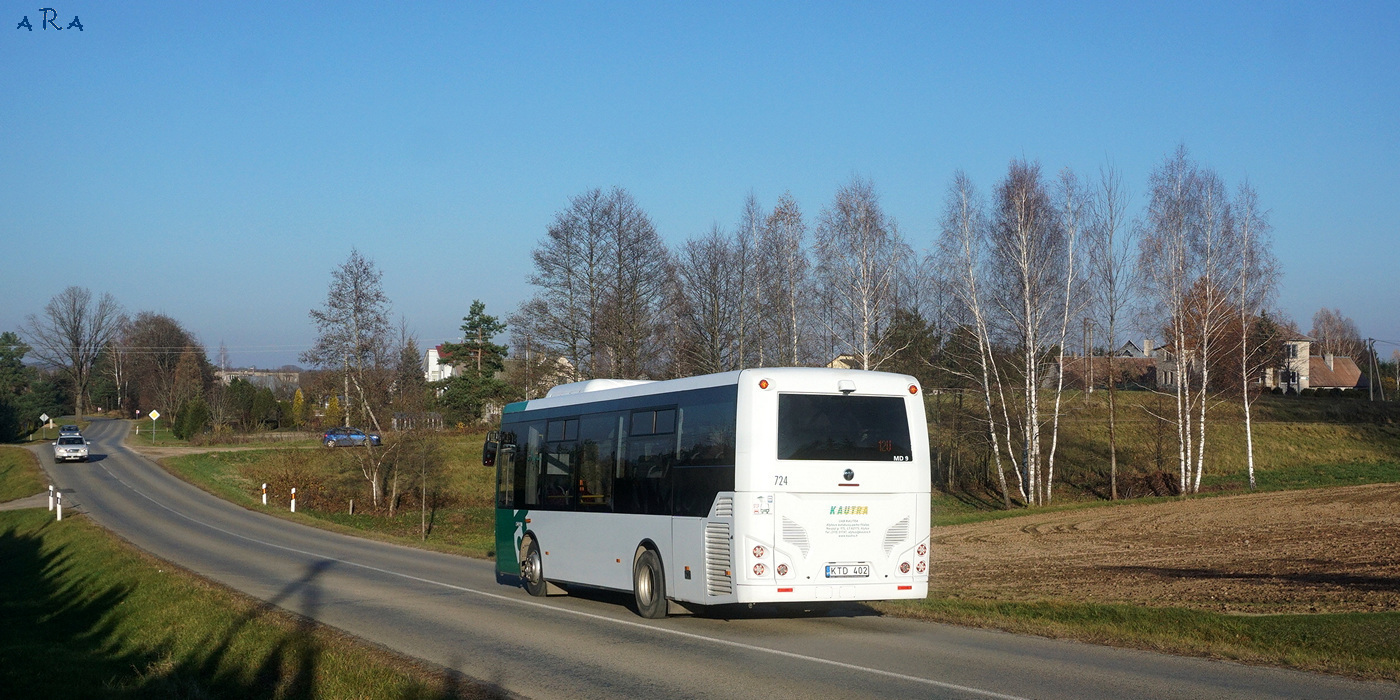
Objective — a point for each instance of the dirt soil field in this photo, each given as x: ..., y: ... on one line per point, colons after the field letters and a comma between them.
x: 1312, y: 551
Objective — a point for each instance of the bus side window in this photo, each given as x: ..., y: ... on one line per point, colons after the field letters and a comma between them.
x: 650, y: 453
x: 597, y: 459
x: 558, y: 471
x: 533, y: 449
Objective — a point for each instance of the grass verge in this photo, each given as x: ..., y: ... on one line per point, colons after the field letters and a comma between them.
x: 460, y: 517
x: 20, y: 475
x: 1364, y: 645
x: 88, y: 616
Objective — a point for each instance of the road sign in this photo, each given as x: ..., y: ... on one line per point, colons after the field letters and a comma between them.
x: 154, y: 414
x: 43, y: 418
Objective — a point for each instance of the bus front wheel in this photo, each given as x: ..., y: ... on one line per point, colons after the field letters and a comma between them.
x: 649, y: 586
x: 532, y: 570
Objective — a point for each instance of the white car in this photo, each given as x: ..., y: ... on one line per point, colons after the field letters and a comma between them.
x: 70, y: 447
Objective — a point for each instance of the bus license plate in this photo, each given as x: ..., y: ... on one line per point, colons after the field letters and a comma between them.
x: 848, y: 571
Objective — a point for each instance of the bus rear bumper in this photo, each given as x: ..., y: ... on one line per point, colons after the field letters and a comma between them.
x: 795, y: 593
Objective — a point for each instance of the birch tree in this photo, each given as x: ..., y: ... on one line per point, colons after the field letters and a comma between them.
x: 70, y: 335
x: 1071, y: 216
x: 1113, y: 284
x: 1257, y: 281
x: 1186, y: 254
x: 1030, y: 258
x: 783, y: 280
x: 748, y: 330
x: 354, y: 336
x: 1216, y: 248
x: 859, y: 253
x: 962, y: 243
x: 1165, y: 259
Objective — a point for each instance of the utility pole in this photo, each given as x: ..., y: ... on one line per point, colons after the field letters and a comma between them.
x: 1089, y: 352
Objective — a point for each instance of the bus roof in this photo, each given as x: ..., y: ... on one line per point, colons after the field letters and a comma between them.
x: 609, y: 389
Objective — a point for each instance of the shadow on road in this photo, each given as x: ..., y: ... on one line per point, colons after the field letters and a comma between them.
x: 736, y: 612
x: 68, y: 632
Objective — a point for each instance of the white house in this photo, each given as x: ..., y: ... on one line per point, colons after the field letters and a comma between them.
x: 433, y: 367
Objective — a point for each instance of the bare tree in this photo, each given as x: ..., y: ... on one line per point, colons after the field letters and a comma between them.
x: 564, y: 316
x: 1113, y: 284
x: 1166, y: 263
x: 962, y: 248
x: 1216, y: 248
x: 1336, y: 334
x: 859, y: 256
x: 1030, y: 263
x: 354, y: 335
x: 1072, y: 205
x: 601, y: 273
x: 783, y: 280
x: 748, y: 333
x: 1257, y: 282
x: 709, y: 303
x: 636, y: 272
x: 71, y: 334
x: 1186, y: 254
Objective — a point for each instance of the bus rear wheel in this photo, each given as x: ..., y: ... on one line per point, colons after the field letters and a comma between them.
x: 532, y: 570
x: 649, y: 585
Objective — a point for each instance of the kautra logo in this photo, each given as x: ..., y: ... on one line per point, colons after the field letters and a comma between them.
x: 850, y: 510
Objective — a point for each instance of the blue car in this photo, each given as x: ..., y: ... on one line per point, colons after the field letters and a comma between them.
x: 341, y: 437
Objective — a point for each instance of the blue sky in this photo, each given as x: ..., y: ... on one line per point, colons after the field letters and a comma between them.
x: 214, y: 162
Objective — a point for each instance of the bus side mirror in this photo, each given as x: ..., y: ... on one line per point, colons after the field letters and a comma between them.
x: 488, y: 451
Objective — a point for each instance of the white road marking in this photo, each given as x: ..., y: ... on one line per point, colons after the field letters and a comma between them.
x: 580, y: 613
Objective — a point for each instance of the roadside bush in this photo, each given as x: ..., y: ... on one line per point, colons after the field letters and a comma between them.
x: 1276, y: 391
x: 321, y: 477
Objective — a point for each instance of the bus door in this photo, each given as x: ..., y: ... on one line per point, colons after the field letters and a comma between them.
x: 509, y: 521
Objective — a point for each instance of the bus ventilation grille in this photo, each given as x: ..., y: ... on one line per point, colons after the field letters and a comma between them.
x: 793, y: 534
x: 896, y: 534
x: 717, y: 560
x: 724, y: 507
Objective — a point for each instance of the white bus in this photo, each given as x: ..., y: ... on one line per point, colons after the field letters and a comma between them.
x: 802, y: 485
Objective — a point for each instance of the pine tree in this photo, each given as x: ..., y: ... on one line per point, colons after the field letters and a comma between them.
x: 478, y: 360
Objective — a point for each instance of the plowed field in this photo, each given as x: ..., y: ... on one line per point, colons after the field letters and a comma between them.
x: 1318, y: 550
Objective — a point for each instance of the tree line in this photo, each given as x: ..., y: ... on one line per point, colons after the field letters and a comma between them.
x: 1002, y: 309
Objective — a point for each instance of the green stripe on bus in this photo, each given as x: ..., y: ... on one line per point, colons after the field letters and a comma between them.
x: 516, y: 407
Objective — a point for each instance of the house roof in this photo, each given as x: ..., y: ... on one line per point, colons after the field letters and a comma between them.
x: 1344, y: 373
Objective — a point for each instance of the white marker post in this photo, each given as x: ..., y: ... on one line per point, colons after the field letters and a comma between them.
x: 50, y: 498
x: 264, y: 494
x: 294, y: 499
x: 60, y: 505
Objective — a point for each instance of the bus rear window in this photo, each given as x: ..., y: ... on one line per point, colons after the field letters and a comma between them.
x: 828, y: 427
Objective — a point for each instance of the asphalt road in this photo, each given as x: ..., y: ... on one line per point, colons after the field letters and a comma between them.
x: 450, y: 611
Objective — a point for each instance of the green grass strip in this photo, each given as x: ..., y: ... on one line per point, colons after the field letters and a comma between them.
x: 1365, y: 645
x: 19, y: 474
